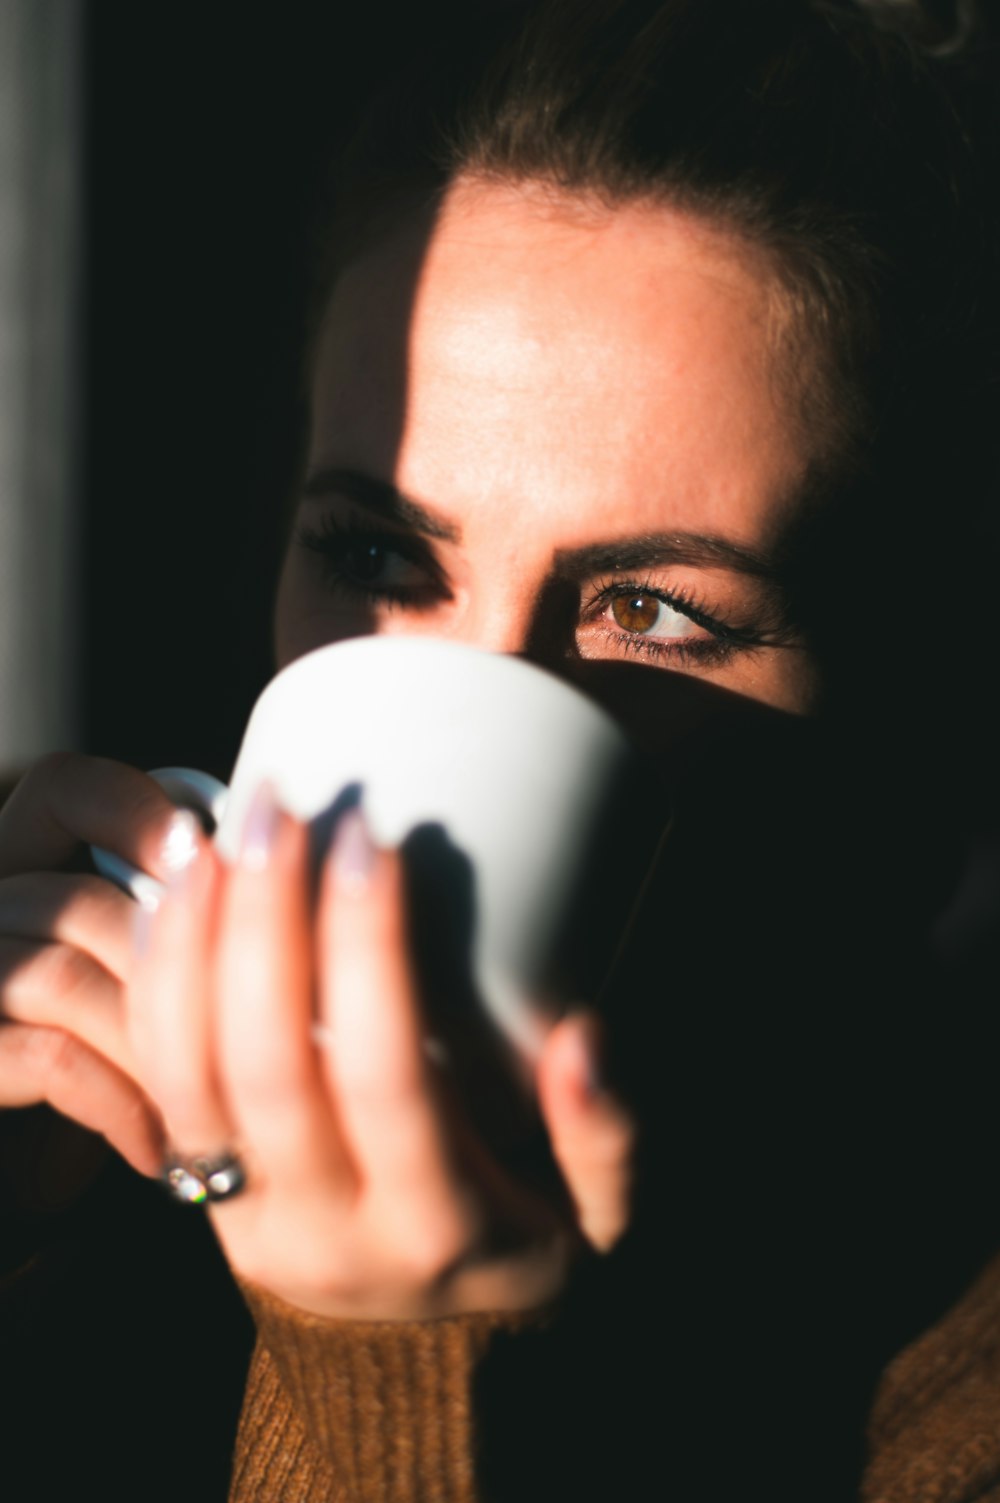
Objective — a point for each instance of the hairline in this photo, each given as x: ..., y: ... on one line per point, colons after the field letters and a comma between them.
x: 800, y: 362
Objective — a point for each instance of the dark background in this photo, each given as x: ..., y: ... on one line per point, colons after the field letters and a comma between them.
x: 207, y: 130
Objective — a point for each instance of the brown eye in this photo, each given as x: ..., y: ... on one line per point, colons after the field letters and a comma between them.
x: 636, y: 612
x: 643, y: 614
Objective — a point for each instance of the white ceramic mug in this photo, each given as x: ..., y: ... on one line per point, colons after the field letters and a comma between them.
x: 528, y: 825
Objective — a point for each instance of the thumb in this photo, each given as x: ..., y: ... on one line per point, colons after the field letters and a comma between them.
x: 593, y: 1136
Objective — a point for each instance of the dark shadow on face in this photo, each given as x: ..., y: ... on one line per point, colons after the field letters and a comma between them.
x: 801, y: 1111
x: 803, y: 1095
x: 818, y: 1116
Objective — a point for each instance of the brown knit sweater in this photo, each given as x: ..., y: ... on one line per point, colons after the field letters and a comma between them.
x: 368, y: 1412
x: 935, y: 1426
x: 110, y: 1339
x: 373, y: 1411
x: 382, y: 1413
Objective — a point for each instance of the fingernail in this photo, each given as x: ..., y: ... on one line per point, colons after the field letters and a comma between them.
x: 353, y: 853
x: 142, y: 923
x: 585, y: 1042
x: 322, y: 1035
x: 260, y: 828
x: 180, y: 847
x: 146, y: 890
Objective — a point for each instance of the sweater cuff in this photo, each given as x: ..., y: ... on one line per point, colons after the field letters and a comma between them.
x: 388, y: 1405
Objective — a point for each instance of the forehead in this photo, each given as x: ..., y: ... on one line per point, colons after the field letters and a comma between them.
x: 525, y: 350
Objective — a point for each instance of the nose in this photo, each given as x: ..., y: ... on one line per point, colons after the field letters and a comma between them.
x: 537, y: 624
x: 500, y: 634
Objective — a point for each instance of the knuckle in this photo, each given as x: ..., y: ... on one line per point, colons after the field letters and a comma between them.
x: 329, y: 1276
x: 63, y: 972
x: 378, y: 1085
x: 179, y: 1100
x: 140, y: 815
x: 98, y: 909
x: 57, y: 778
x: 607, y: 1158
x: 129, y: 796
x: 86, y: 900
x: 616, y: 1140
x: 146, y: 805
x: 363, y: 1088
x: 253, y: 1267
x: 57, y: 1056
x: 136, y: 1115
x: 182, y: 1100
x: 309, y: 1265
x: 94, y: 893
x: 33, y: 790
x: 431, y: 1249
x: 51, y: 766
x: 607, y: 1135
x: 265, y: 1088
x: 57, y: 896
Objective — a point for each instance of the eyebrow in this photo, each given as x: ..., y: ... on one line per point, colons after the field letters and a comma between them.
x: 383, y: 498
x: 647, y: 550
x: 699, y: 550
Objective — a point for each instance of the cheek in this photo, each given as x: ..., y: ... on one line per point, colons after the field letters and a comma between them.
x: 309, y: 614
x: 786, y: 679
x: 306, y: 617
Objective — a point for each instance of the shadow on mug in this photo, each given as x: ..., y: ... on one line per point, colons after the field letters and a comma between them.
x: 479, y: 1072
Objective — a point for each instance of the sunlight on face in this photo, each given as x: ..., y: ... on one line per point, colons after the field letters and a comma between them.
x: 550, y: 431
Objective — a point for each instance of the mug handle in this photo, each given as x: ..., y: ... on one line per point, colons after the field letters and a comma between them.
x: 189, y: 789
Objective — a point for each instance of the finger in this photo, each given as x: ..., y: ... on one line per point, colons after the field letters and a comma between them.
x: 47, y: 1064
x: 82, y: 911
x: 66, y: 799
x: 593, y: 1136
x: 368, y: 1006
x: 170, y: 1006
x: 58, y: 986
x: 265, y: 984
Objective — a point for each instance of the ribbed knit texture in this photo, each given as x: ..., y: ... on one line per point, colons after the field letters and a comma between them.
x: 381, y: 1412
x: 274, y: 1457
x: 935, y: 1428
x: 360, y: 1412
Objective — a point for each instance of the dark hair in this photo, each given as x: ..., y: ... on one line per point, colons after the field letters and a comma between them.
x: 826, y: 134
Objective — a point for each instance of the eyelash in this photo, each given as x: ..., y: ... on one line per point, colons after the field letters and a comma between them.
x: 333, y: 540
x: 726, y: 639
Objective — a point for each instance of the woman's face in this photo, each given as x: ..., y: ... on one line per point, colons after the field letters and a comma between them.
x: 556, y: 433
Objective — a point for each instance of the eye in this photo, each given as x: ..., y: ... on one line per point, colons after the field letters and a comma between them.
x: 641, y: 617
x: 378, y: 567
x: 643, y: 614
x: 372, y: 564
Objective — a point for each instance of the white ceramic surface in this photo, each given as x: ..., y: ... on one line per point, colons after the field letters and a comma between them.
x: 518, y: 777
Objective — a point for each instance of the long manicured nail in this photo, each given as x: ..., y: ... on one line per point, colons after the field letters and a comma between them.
x: 181, y: 846
x: 354, y: 853
x: 142, y: 923
x: 260, y: 828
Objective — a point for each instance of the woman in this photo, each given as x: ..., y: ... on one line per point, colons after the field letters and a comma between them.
x: 641, y: 333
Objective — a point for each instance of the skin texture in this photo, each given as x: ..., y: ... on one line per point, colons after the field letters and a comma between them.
x: 541, y: 379
x: 569, y: 378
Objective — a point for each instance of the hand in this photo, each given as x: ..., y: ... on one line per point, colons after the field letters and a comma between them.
x: 367, y: 1196
x: 66, y: 944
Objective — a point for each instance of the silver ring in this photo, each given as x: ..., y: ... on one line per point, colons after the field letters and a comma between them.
x: 195, y: 1181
